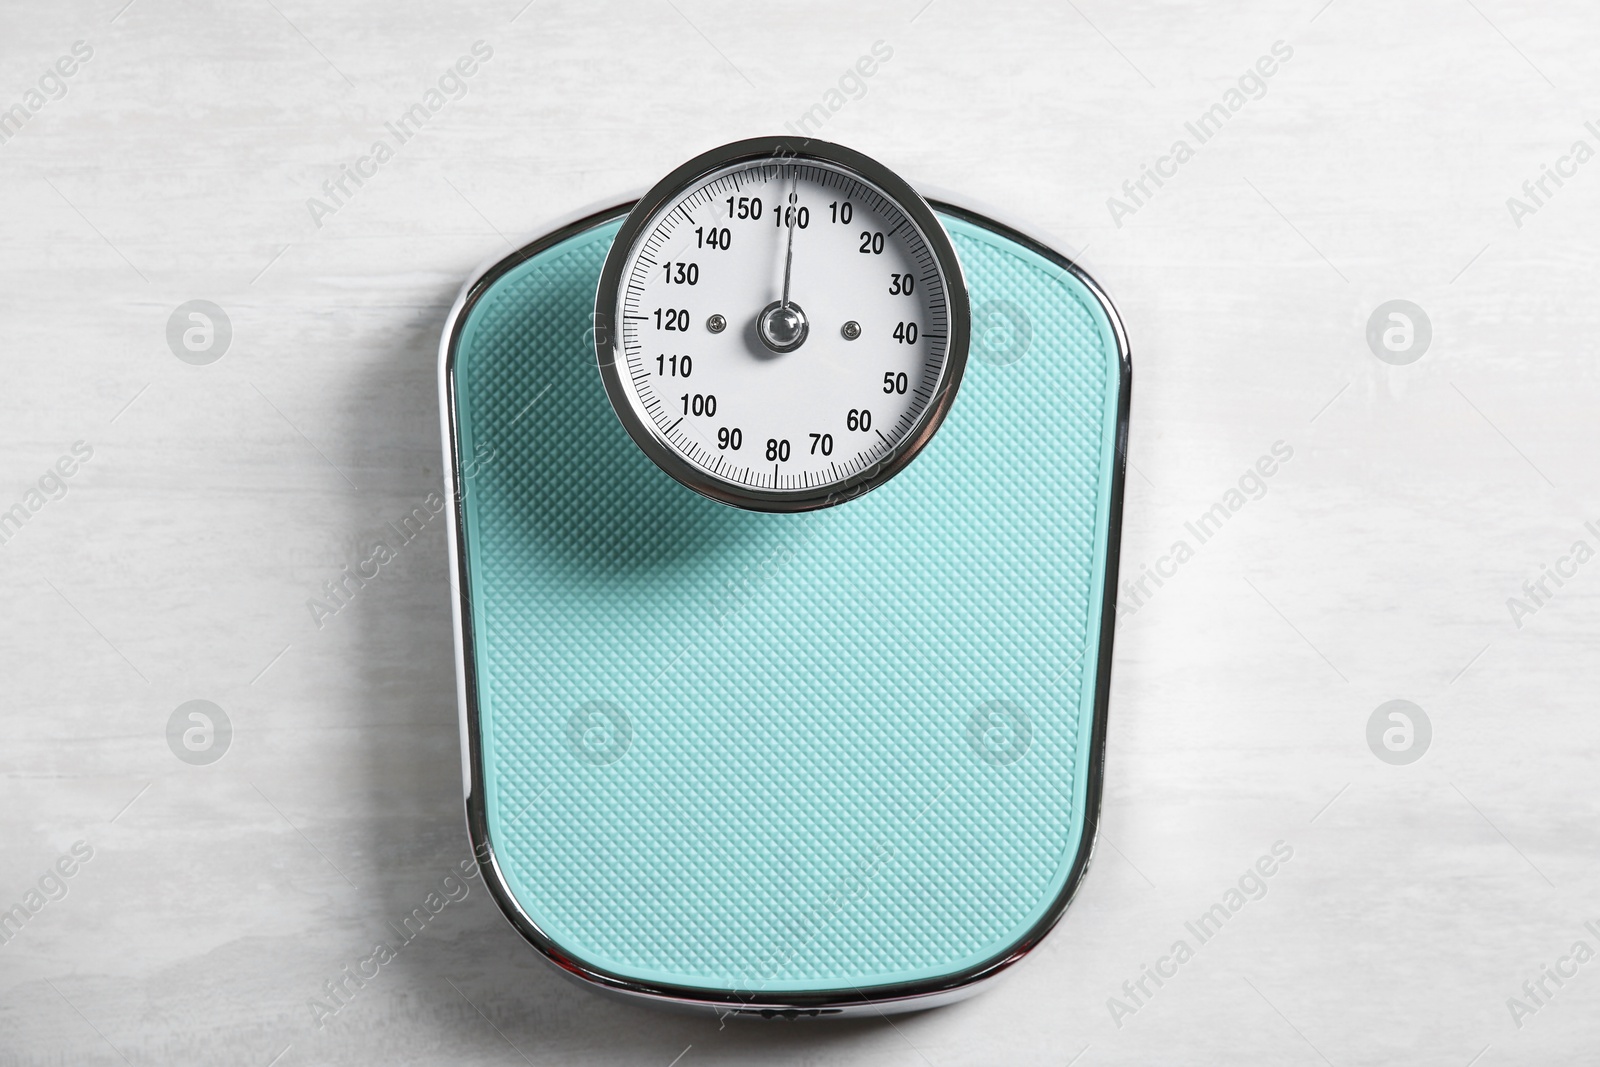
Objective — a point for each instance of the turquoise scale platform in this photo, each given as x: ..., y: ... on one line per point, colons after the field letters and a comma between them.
x: 787, y: 759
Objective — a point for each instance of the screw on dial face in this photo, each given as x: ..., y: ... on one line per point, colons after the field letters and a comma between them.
x: 704, y: 316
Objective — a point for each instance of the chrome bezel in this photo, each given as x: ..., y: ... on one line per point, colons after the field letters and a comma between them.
x: 780, y: 151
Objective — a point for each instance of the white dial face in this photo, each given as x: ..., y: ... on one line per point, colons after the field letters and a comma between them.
x: 784, y: 326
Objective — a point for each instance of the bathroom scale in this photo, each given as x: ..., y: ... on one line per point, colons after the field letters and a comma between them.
x: 786, y: 506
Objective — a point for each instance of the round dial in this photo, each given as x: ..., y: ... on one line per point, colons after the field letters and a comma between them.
x: 781, y: 324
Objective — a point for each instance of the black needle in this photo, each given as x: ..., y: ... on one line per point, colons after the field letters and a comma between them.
x: 788, y: 257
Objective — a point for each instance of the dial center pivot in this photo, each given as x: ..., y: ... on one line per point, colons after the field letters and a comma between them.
x: 782, y: 327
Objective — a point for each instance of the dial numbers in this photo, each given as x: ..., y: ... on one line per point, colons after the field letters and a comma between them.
x: 732, y: 404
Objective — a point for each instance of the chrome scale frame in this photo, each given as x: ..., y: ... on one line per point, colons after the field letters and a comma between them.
x: 847, y: 1002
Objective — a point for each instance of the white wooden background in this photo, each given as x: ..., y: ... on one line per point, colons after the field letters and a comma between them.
x: 177, y: 166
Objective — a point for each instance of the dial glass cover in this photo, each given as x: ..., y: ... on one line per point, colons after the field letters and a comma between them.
x: 785, y: 331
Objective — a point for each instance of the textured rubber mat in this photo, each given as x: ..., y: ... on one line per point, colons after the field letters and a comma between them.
x: 742, y: 752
